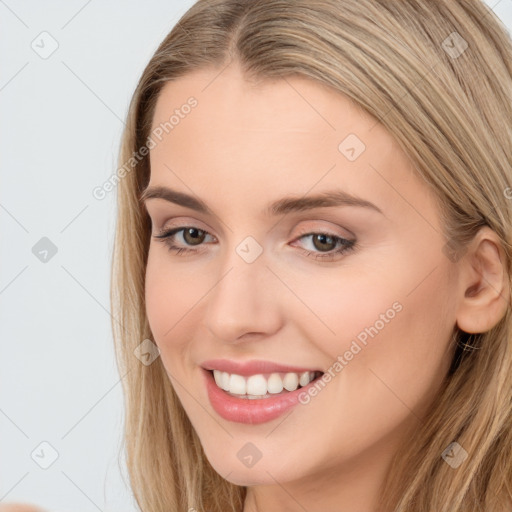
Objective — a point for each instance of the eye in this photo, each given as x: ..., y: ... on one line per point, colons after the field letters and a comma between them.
x: 328, y: 244
x: 192, y: 235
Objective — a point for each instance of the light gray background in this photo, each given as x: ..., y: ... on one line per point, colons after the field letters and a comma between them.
x: 61, y: 122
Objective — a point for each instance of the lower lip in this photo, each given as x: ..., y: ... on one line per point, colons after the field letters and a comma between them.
x: 246, y: 410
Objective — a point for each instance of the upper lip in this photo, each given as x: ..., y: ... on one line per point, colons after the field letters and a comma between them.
x: 252, y: 367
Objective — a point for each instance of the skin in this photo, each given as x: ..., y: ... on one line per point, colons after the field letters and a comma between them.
x: 19, y: 507
x: 243, y: 146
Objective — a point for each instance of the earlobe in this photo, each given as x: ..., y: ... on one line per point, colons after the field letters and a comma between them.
x: 484, y: 283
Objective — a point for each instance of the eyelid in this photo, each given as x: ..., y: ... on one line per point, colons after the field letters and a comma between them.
x: 161, y: 217
x: 185, y: 221
x: 321, y: 229
x: 177, y: 222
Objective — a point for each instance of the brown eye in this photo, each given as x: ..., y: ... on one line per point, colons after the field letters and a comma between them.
x: 190, y: 236
x: 326, y: 246
x: 324, y: 242
x: 193, y: 236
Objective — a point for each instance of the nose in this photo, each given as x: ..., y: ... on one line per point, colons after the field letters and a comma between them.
x: 244, y: 302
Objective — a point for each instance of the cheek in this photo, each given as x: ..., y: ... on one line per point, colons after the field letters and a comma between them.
x: 391, y: 328
x: 406, y: 358
x: 345, y: 307
x: 170, y: 295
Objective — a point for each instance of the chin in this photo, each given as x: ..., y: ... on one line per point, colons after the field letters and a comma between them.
x: 248, y: 477
x: 265, y: 471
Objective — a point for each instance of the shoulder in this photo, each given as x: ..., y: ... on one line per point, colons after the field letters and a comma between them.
x: 20, y: 507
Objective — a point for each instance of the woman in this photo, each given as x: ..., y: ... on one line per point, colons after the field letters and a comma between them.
x: 312, y: 260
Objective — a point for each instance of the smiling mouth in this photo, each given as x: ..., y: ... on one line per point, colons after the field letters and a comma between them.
x: 262, y: 385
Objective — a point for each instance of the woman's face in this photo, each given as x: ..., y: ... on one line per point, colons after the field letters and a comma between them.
x: 262, y: 283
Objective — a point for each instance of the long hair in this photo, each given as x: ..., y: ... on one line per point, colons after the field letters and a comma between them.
x: 438, y: 76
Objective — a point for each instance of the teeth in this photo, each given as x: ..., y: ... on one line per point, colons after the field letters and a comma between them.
x: 237, y: 384
x: 291, y: 381
x: 218, y: 378
x: 274, y: 384
x: 257, y: 386
x: 304, y: 379
x: 225, y: 381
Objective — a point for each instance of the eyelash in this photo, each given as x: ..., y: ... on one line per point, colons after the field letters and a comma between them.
x: 166, y: 237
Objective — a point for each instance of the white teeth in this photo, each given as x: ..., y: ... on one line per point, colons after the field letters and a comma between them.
x: 258, y: 386
x: 291, y: 381
x: 237, y: 384
x: 225, y: 381
x: 304, y: 379
x: 218, y: 378
x: 275, y: 383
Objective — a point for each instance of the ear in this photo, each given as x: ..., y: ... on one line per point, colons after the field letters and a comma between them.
x: 484, y: 283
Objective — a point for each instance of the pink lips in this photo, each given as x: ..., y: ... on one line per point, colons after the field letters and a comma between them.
x: 245, y: 410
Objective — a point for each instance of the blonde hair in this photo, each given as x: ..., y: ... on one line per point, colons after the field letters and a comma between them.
x: 450, y: 108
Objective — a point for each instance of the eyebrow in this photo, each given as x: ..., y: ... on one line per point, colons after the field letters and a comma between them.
x: 280, y: 207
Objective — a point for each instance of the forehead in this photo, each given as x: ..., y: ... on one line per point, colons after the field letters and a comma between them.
x: 294, y: 105
x: 292, y: 133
